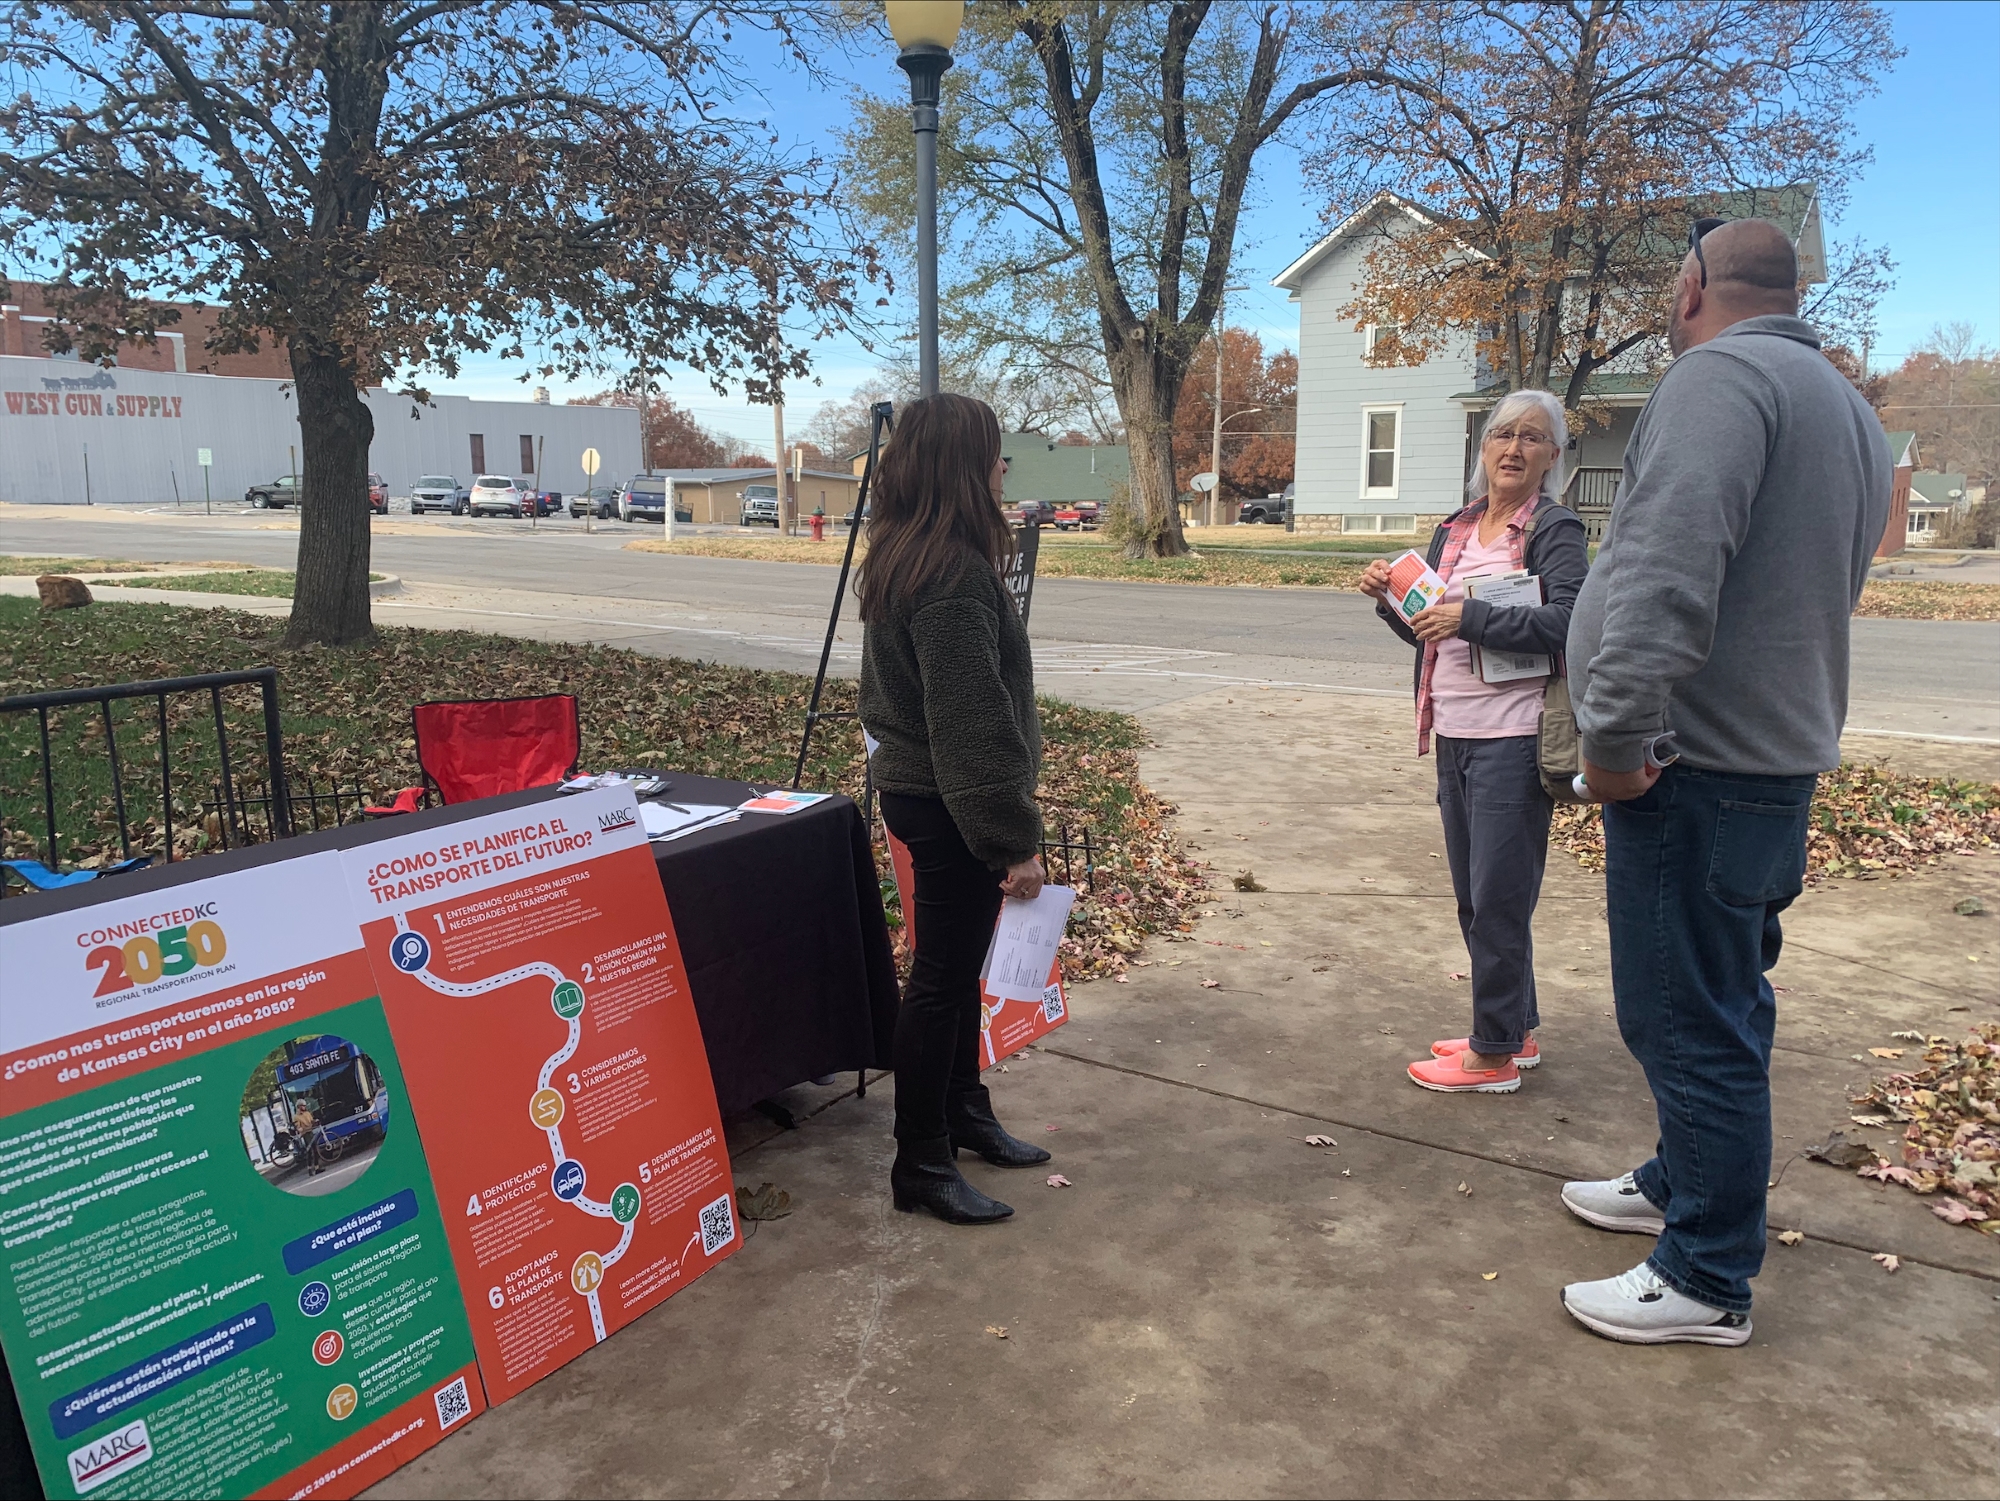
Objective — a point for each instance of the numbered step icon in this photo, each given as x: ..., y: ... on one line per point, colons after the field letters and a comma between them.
x: 625, y: 1203
x: 568, y: 1000
x: 567, y: 1180
x: 410, y: 951
x: 545, y: 1109
x: 587, y: 1272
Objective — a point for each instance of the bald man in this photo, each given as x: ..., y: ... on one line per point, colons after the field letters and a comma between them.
x: 1708, y: 658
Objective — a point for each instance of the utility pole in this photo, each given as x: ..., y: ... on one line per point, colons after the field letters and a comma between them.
x: 1215, y: 438
x: 645, y: 401
x: 778, y: 459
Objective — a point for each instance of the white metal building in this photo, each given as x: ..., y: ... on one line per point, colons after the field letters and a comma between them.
x: 70, y: 431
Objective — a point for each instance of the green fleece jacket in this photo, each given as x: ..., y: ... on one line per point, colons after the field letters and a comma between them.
x: 948, y: 691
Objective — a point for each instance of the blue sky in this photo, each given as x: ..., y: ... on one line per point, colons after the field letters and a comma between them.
x: 1932, y: 196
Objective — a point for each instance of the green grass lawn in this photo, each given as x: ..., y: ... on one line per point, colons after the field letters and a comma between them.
x: 14, y: 567
x: 270, y: 583
x: 346, y: 717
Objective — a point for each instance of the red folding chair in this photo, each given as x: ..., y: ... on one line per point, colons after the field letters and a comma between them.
x: 473, y: 748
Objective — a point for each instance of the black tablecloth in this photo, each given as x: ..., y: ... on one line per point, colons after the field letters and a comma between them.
x: 787, y: 951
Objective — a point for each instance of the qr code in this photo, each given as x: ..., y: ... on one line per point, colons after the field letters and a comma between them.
x: 1052, y: 1004
x: 452, y: 1403
x: 718, y: 1226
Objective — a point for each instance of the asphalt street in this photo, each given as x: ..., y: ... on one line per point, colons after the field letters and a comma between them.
x: 1116, y: 645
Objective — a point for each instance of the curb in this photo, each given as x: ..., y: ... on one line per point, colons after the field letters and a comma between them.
x: 389, y: 583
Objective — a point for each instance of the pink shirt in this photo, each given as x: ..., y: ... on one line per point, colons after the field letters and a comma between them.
x: 1464, y: 706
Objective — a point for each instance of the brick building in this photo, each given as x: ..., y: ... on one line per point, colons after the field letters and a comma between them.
x: 181, y: 348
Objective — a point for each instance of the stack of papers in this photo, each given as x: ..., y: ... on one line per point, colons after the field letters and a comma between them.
x: 665, y: 820
x: 1023, y: 951
x: 1508, y: 591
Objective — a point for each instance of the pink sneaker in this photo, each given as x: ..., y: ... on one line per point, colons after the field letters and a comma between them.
x: 1527, y: 1058
x: 1451, y: 1076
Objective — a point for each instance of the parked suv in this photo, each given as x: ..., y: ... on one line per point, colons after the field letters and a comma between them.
x: 644, y: 498
x: 438, y: 492
x: 760, y: 506
x: 601, y: 503
x: 279, y: 493
x: 495, y: 495
x: 378, y: 494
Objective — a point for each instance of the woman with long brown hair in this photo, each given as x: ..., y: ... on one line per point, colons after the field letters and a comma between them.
x: 948, y: 695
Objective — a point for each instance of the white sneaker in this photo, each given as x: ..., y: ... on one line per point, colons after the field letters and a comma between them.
x: 1613, y: 1204
x: 1637, y: 1308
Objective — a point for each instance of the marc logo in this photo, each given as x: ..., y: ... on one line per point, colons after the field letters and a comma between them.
x: 109, y: 1457
x: 619, y: 818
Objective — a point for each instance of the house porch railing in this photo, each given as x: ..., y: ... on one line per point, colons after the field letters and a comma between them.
x: 1590, y: 493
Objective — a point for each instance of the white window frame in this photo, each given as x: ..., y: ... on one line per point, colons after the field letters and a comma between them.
x: 1371, y: 333
x: 1393, y: 491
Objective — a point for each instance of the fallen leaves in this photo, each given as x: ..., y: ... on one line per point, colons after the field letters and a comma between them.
x: 767, y: 1201
x: 1970, y: 906
x: 1488, y: 1276
x: 1458, y: 975
x: 1887, y: 1262
x: 1929, y: 599
x: 1211, y: 985
x: 1865, y: 821
x: 1466, y: 1189
x: 1057, y: 1180
x: 1838, y: 1151
x: 1321, y: 1141
x: 347, y: 717
x: 1246, y: 880
x: 1950, y: 1113
x: 1790, y: 1237
x: 998, y: 1331
x: 1886, y: 1052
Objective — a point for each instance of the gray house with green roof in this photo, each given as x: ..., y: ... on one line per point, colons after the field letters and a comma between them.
x: 1388, y: 449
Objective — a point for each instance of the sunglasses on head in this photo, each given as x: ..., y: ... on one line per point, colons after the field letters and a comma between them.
x: 1696, y: 230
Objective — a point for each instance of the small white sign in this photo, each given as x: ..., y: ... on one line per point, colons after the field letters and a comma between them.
x: 590, y: 461
x: 203, y: 457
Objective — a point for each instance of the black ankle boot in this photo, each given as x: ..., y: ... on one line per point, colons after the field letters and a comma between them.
x: 925, y: 1177
x: 974, y: 1128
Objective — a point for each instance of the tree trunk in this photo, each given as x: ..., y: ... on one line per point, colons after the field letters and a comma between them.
x: 330, y: 598
x: 1146, y: 394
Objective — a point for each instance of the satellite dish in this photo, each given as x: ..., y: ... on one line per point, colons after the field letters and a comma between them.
x: 1202, y: 483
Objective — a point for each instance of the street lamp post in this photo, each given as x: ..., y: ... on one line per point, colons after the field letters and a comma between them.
x: 925, y: 31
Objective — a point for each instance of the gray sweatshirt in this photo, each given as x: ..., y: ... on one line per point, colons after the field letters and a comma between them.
x: 1756, y: 488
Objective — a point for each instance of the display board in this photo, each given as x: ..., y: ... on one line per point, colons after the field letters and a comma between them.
x: 1004, y: 1026
x: 534, y: 982
x: 222, y: 1268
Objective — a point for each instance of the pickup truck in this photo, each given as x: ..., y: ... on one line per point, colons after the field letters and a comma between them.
x: 760, y: 506
x: 1040, y: 512
x: 276, y: 495
x: 1269, y: 509
x: 1078, y: 516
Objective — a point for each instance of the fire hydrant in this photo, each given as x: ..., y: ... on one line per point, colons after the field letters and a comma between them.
x: 818, y: 519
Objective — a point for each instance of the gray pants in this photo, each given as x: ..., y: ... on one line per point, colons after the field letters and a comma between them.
x: 1496, y: 836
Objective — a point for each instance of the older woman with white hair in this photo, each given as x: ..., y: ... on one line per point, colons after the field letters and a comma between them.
x: 1490, y: 793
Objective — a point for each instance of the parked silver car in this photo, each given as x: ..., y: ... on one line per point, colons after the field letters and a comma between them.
x: 438, y: 492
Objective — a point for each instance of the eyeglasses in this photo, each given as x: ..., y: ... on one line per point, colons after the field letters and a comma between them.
x: 1528, y: 438
x: 1696, y: 230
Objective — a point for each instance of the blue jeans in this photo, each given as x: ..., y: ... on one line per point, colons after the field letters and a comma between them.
x: 1697, y: 871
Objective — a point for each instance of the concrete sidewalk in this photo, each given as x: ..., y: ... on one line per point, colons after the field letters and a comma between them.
x: 1217, y: 1308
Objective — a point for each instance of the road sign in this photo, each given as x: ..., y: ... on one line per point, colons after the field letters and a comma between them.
x: 590, y: 461
x: 1202, y: 483
x: 203, y: 457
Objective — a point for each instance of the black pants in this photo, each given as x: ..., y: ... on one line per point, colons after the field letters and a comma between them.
x: 957, y: 902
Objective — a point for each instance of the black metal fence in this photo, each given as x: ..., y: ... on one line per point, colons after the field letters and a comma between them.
x: 1070, y: 855
x: 249, y: 817
x: 98, y: 787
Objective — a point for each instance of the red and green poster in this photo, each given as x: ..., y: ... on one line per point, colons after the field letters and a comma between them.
x: 222, y: 1268
x: 1004, y: 1026
x: 534, y: 982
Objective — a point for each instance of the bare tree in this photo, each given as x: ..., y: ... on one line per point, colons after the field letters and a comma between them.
x: 1094, y: 162
x: 1552, y: 156
x: 387, y: 185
